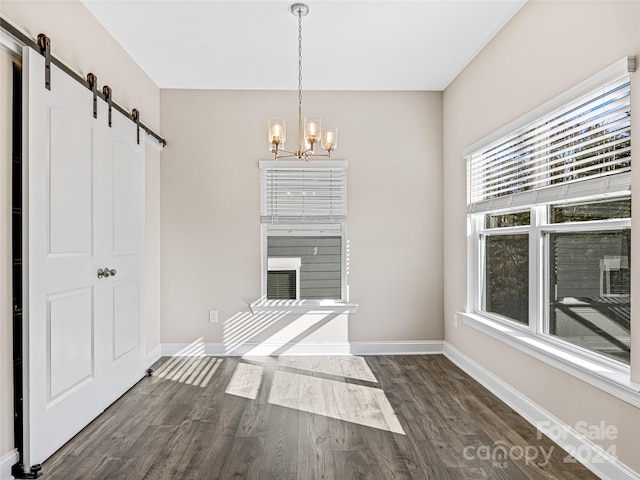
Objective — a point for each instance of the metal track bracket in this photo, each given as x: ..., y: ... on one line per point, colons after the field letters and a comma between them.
x: 93, y: 85
x: 108, y: 95
x: 44, y: 43
x: 136, y: 118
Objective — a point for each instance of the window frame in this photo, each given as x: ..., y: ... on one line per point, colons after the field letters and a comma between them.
x: 303, y: 226
x: 538, y: 266
x: 597, y: 369
x: 305, y: 230
x: 480, y: 302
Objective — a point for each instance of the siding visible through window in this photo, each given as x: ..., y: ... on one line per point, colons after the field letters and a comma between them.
x: 321, y: 263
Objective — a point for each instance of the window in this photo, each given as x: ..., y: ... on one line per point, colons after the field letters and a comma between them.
x: 317, y: 255
x: 506, y: 278
x: 303, y: 216
x: 505, y: 249
x: 549, y: 213
x: 283, y: 277
x: 588, y: 302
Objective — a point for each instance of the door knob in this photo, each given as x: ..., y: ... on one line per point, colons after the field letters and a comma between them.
x: 106, y: 272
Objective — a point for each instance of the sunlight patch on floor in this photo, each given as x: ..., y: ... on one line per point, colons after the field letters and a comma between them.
x: 191, y: 370
x: 334, y: 399
x: 246, y: 381
x: 296, y: 386
x: 348, y: 366
x: 190, y: 365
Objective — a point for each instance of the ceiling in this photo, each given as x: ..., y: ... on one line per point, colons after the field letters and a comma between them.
x: 347, y: 45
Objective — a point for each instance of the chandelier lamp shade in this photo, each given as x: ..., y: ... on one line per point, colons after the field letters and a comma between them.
x: 314, y: 139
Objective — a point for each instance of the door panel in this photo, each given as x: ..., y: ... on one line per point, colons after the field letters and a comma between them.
x: 126, y: 318
x: 126, y: 184
x: 70, y: 341
x: 71, y: 182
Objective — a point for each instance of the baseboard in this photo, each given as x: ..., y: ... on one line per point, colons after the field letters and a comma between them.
x: 424, y: 347
x: 591, y: 456
x: 6, y: 462
x: 258, y: 350
x: 153, y: 356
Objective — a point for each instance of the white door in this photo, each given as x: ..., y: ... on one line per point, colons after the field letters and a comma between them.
x: 74, y: 321
x: 119, y: 184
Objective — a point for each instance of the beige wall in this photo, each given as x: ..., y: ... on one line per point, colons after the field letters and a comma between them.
x: 79, y: 40
x: 210, y: 208
x: 546, y: 48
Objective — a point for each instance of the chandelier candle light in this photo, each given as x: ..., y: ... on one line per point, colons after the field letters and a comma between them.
x: 309, y: 132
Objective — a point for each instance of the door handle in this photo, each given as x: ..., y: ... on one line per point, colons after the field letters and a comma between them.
x: 106, y: 272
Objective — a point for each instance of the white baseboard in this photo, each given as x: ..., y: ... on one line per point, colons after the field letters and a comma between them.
x: 424, y: 347
x: 254, y: 349
x: 593, y: 457
x: 153, y: 356
x: 339, y: 348
x: 6, y: 462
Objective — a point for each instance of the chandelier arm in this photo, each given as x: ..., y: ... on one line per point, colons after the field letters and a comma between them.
x: 290, y: 154
x: 287, y: 151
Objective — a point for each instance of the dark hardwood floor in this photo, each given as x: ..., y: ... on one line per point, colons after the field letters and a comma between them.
x: 382, y: 418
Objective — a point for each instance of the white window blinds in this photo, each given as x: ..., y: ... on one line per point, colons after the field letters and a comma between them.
x: 303, y: 192
x: 581, y: 148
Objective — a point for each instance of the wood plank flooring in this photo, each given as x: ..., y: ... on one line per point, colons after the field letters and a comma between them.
x: 308, y: 418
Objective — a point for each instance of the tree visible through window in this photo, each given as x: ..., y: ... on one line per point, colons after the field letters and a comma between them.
x: 507, y: 276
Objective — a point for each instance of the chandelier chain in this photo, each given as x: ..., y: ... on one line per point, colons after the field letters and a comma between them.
x: 299, y: 58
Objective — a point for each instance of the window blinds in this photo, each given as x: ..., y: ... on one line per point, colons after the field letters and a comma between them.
x: 303, y: 194
x: 583, y: 147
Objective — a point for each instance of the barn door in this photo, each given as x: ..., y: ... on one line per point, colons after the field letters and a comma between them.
x: 119, y: 227
x: 80, y: 330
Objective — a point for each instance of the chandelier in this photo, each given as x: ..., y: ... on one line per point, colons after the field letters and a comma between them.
x: 310, y: 130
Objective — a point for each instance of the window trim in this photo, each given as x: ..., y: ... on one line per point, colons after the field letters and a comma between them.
x: 301, y: 306
x: 304, y: 226
x: 596, y: 369
x: 305, y: 230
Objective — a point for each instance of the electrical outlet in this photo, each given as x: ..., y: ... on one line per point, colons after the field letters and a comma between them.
x: 455, y: 320
x: 213, y: 316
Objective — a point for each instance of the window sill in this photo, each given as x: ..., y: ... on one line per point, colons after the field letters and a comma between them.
x: 606, y: 375
x: 302, y: 306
